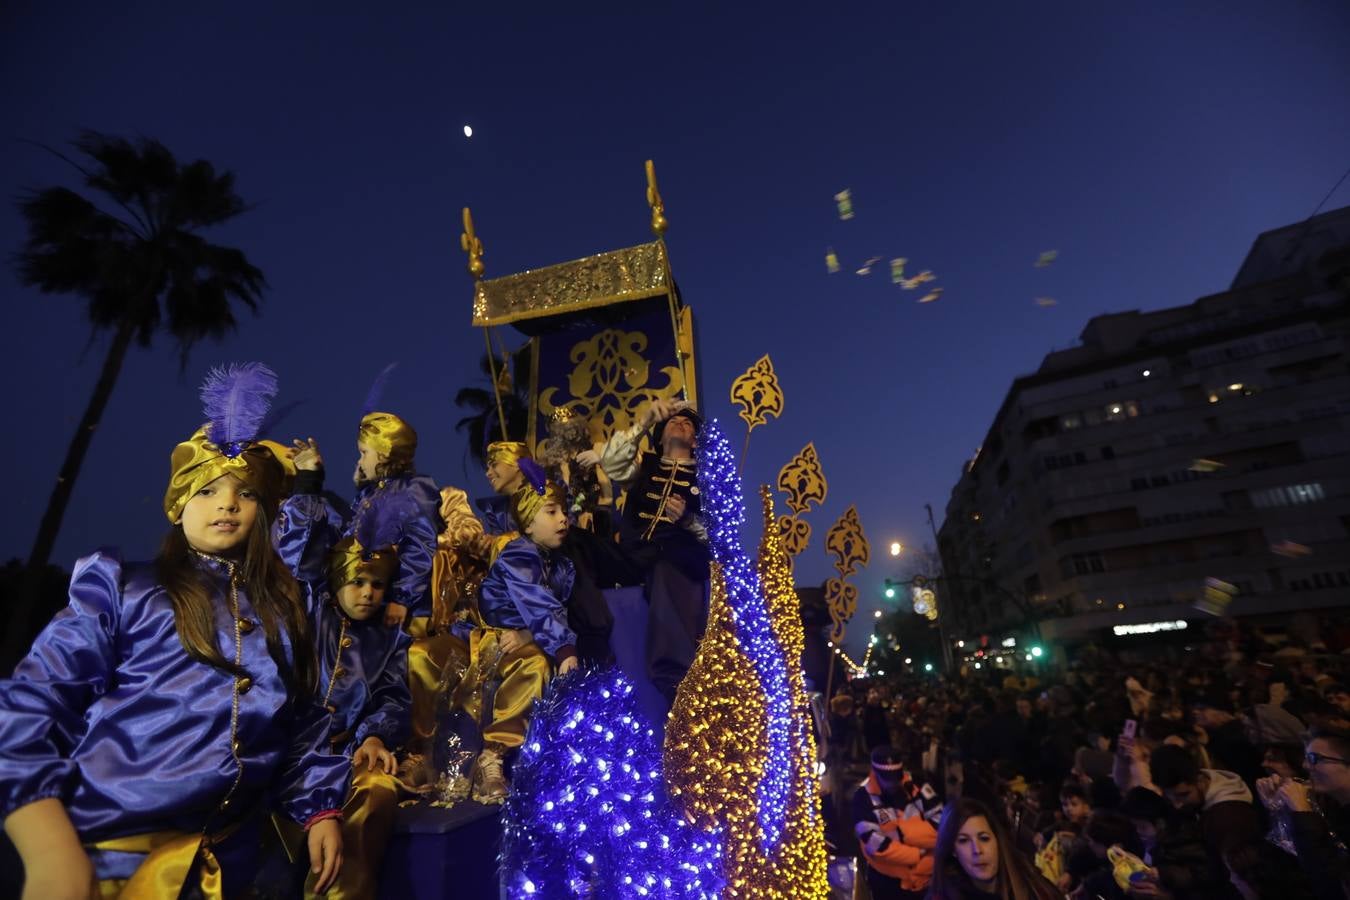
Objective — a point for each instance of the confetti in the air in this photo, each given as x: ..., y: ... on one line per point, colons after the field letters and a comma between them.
x: 1290, y: 549
x: 845, y: 201
x: 1205, y: 466
x: 898, y: 270
x: 866, y: 268
x: 1047, y: 258
x: 923, y: 277
x: 932, y: 295
x: 831, y: 261
x: 1046, y: 301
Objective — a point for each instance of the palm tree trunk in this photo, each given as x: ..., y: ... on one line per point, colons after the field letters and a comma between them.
x: 20, y: 617
x: 79, y: 446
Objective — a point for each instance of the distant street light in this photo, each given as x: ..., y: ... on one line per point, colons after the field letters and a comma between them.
x: 877, y: 614
x: 896, y: 548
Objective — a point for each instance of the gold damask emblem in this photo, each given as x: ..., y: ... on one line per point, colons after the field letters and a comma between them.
x: 803, y: 480
x: 608, y: 384
x: 842, y: 600
x: 847, y: 543
x: 796, y: 534
x: 758, y: 394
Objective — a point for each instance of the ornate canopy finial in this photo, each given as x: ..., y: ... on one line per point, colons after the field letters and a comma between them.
x: 659, y: 222
x: 472, y: 246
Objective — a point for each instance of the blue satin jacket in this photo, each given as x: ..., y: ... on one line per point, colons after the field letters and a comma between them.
x: 528, y: 587
x: 370, y: 695
x: 109, y: 714
x: 496, y: 514
x: 416, y: 546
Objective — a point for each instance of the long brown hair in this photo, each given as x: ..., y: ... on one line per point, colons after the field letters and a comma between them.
x: 272, y: 590
x: 1017, y: 878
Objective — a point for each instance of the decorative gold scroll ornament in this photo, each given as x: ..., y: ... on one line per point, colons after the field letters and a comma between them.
x: 757, y: 393
x: 659, y: 223
x: 608, y: 385
x: 803, y: 481
x: 847, y: 543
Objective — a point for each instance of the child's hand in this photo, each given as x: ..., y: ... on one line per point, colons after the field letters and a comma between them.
x: 325, y: 853
x: 305, y: 455
x: 567, y: 665
x: 676, y: 508
x: 513, y: 640
x: 587, y: 459
x: 1296, y: 796
x: 373, y: 754
x: 394, y: 614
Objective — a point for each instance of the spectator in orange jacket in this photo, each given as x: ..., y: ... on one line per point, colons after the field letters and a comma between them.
x: 896, y: 824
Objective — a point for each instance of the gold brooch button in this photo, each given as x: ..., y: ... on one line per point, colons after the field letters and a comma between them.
x: 346, y: 642
x: 243, y: 684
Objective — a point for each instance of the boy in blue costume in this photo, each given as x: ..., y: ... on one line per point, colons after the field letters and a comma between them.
x: 522, y: 630
x: 386, y: 446
x: 363, y: 665
x: 156, y: 716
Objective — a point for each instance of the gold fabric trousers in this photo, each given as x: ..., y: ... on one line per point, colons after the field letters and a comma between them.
x: 427, y: 659
x: 171, y: 860
x: 367, y: 820
x: 524, y: 674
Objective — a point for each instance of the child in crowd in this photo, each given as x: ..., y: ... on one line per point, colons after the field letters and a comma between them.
x: 143, y: 735
x: 522, y: 629
x: 363, y: 665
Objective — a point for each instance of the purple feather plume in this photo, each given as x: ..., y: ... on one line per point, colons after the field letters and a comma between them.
x: 236, y: 399
x: 534, y: 474
x: 375, y: 396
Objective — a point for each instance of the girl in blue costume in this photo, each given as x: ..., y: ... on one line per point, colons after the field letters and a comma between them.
x: 158, y: 713
x: 363, y: 665
x: 522, y: 628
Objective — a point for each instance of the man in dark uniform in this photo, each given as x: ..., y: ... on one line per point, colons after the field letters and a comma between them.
x: 662, y: 540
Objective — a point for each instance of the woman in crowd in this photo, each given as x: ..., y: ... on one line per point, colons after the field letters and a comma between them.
x: 975, y: 859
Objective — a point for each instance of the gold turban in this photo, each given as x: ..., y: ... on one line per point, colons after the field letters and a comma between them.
x: 526, y: 502
x: 389, y: 436
x: 507, y: 451
x: 197, y: 462
x: 349, y: 559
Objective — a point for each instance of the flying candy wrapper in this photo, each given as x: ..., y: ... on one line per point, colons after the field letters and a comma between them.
x: 909, y: 284
x: 1046, y: 301
x: 1206, y: 466
x: 898, y: 270
x: 1047, y: 258
x: 1290, y: 549
x: 845, y: 201
x: 1218, y: 594
x: 866, y: 268
x: 932, y: 295
x: 831, y: 261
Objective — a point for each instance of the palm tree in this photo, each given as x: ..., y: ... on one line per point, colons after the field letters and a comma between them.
x: 137, y: 261
x: 482, y: 422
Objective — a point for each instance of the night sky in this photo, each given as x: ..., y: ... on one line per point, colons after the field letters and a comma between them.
x: 1148, y: 146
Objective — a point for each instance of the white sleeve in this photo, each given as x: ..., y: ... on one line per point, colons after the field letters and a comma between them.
x: 619, y: 455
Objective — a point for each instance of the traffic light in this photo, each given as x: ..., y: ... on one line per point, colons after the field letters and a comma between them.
x: 889, y: 589
x: 1037, y: 652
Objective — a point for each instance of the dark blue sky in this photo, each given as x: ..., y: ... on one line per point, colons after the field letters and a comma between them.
x: 1148, y: 146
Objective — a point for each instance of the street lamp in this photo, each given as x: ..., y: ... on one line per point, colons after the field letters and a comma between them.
x: 897, y: 548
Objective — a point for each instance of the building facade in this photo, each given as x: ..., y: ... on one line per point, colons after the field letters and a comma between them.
x: 1189, y: 459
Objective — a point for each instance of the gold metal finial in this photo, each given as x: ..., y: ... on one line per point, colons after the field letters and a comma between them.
x: 659, y: 222
x: 472, y: 246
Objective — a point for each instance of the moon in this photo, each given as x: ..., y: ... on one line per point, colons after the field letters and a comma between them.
x: 468, y: 131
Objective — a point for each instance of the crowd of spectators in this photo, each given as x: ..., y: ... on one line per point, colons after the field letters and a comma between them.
x: 1213, y: 775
